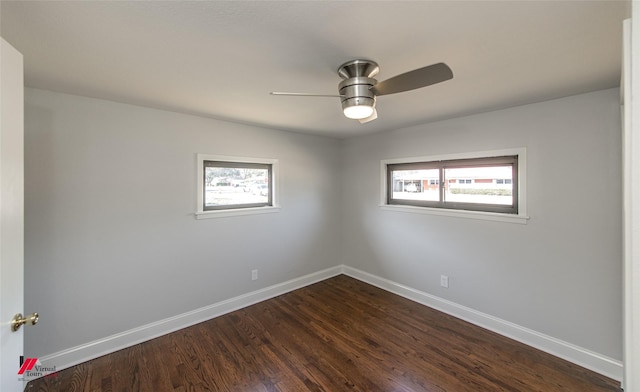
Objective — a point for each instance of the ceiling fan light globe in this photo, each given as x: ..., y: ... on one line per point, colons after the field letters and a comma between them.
x: 358, y: 107
x: 358, y: 112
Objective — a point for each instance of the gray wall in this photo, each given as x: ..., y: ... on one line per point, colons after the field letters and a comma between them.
x: 111, y: 238
x: 561, y: 273
x: 112, y: 243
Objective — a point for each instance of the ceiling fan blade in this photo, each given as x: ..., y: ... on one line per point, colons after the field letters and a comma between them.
x: 305, y: 94
x: 372, y: 117
x: 411, y: 80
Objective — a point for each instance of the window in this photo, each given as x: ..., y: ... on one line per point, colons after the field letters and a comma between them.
x: 487, y: 184
x: 235, y: 185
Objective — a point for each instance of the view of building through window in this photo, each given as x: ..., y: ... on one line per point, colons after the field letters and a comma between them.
x: 416, y: 184
x: 232, y: 184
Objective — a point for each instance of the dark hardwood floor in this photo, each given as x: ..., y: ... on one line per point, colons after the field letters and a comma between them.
x: 336, y: 335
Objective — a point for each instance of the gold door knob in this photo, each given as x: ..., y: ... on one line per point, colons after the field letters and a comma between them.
x: 18, y: 320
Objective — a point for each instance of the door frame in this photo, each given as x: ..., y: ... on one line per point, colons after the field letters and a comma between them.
x: 11, y: 214
x: 630, y: 97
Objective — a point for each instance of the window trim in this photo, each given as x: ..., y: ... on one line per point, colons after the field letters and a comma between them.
x: 201, y: 213
x: 521, y: 217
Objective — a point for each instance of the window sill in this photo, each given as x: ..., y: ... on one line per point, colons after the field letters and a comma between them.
x: 236, y: 212
x: 489, y: 216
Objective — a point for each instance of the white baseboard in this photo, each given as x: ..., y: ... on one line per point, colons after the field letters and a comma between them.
x: 85, y: 352
x: 578, y: 355
x: 591, y: 360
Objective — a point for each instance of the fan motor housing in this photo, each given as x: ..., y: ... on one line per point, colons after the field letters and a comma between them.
x: 356, y: 91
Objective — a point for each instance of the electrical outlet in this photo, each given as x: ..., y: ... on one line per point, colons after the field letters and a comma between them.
x: 444, y: 281
x: 254, y: 274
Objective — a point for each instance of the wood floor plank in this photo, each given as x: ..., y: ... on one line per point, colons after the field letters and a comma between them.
x: 337, y: 335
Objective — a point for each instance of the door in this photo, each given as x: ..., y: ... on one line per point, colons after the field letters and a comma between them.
x: 11, y: 214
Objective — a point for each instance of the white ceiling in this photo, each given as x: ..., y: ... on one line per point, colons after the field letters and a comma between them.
x: 221, y: 59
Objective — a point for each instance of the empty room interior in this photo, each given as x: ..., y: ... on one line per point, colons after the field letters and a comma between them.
x: 245, y: 166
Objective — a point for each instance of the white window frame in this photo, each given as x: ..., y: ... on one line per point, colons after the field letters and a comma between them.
x: 202, y: 214
x: 520, y: 218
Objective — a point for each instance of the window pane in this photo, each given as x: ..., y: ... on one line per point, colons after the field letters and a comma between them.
x: 479, y: 185
x: 416, y: 184
x: 226, y: 186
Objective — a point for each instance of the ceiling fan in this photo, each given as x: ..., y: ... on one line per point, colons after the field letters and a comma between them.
x: 358, y: 90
